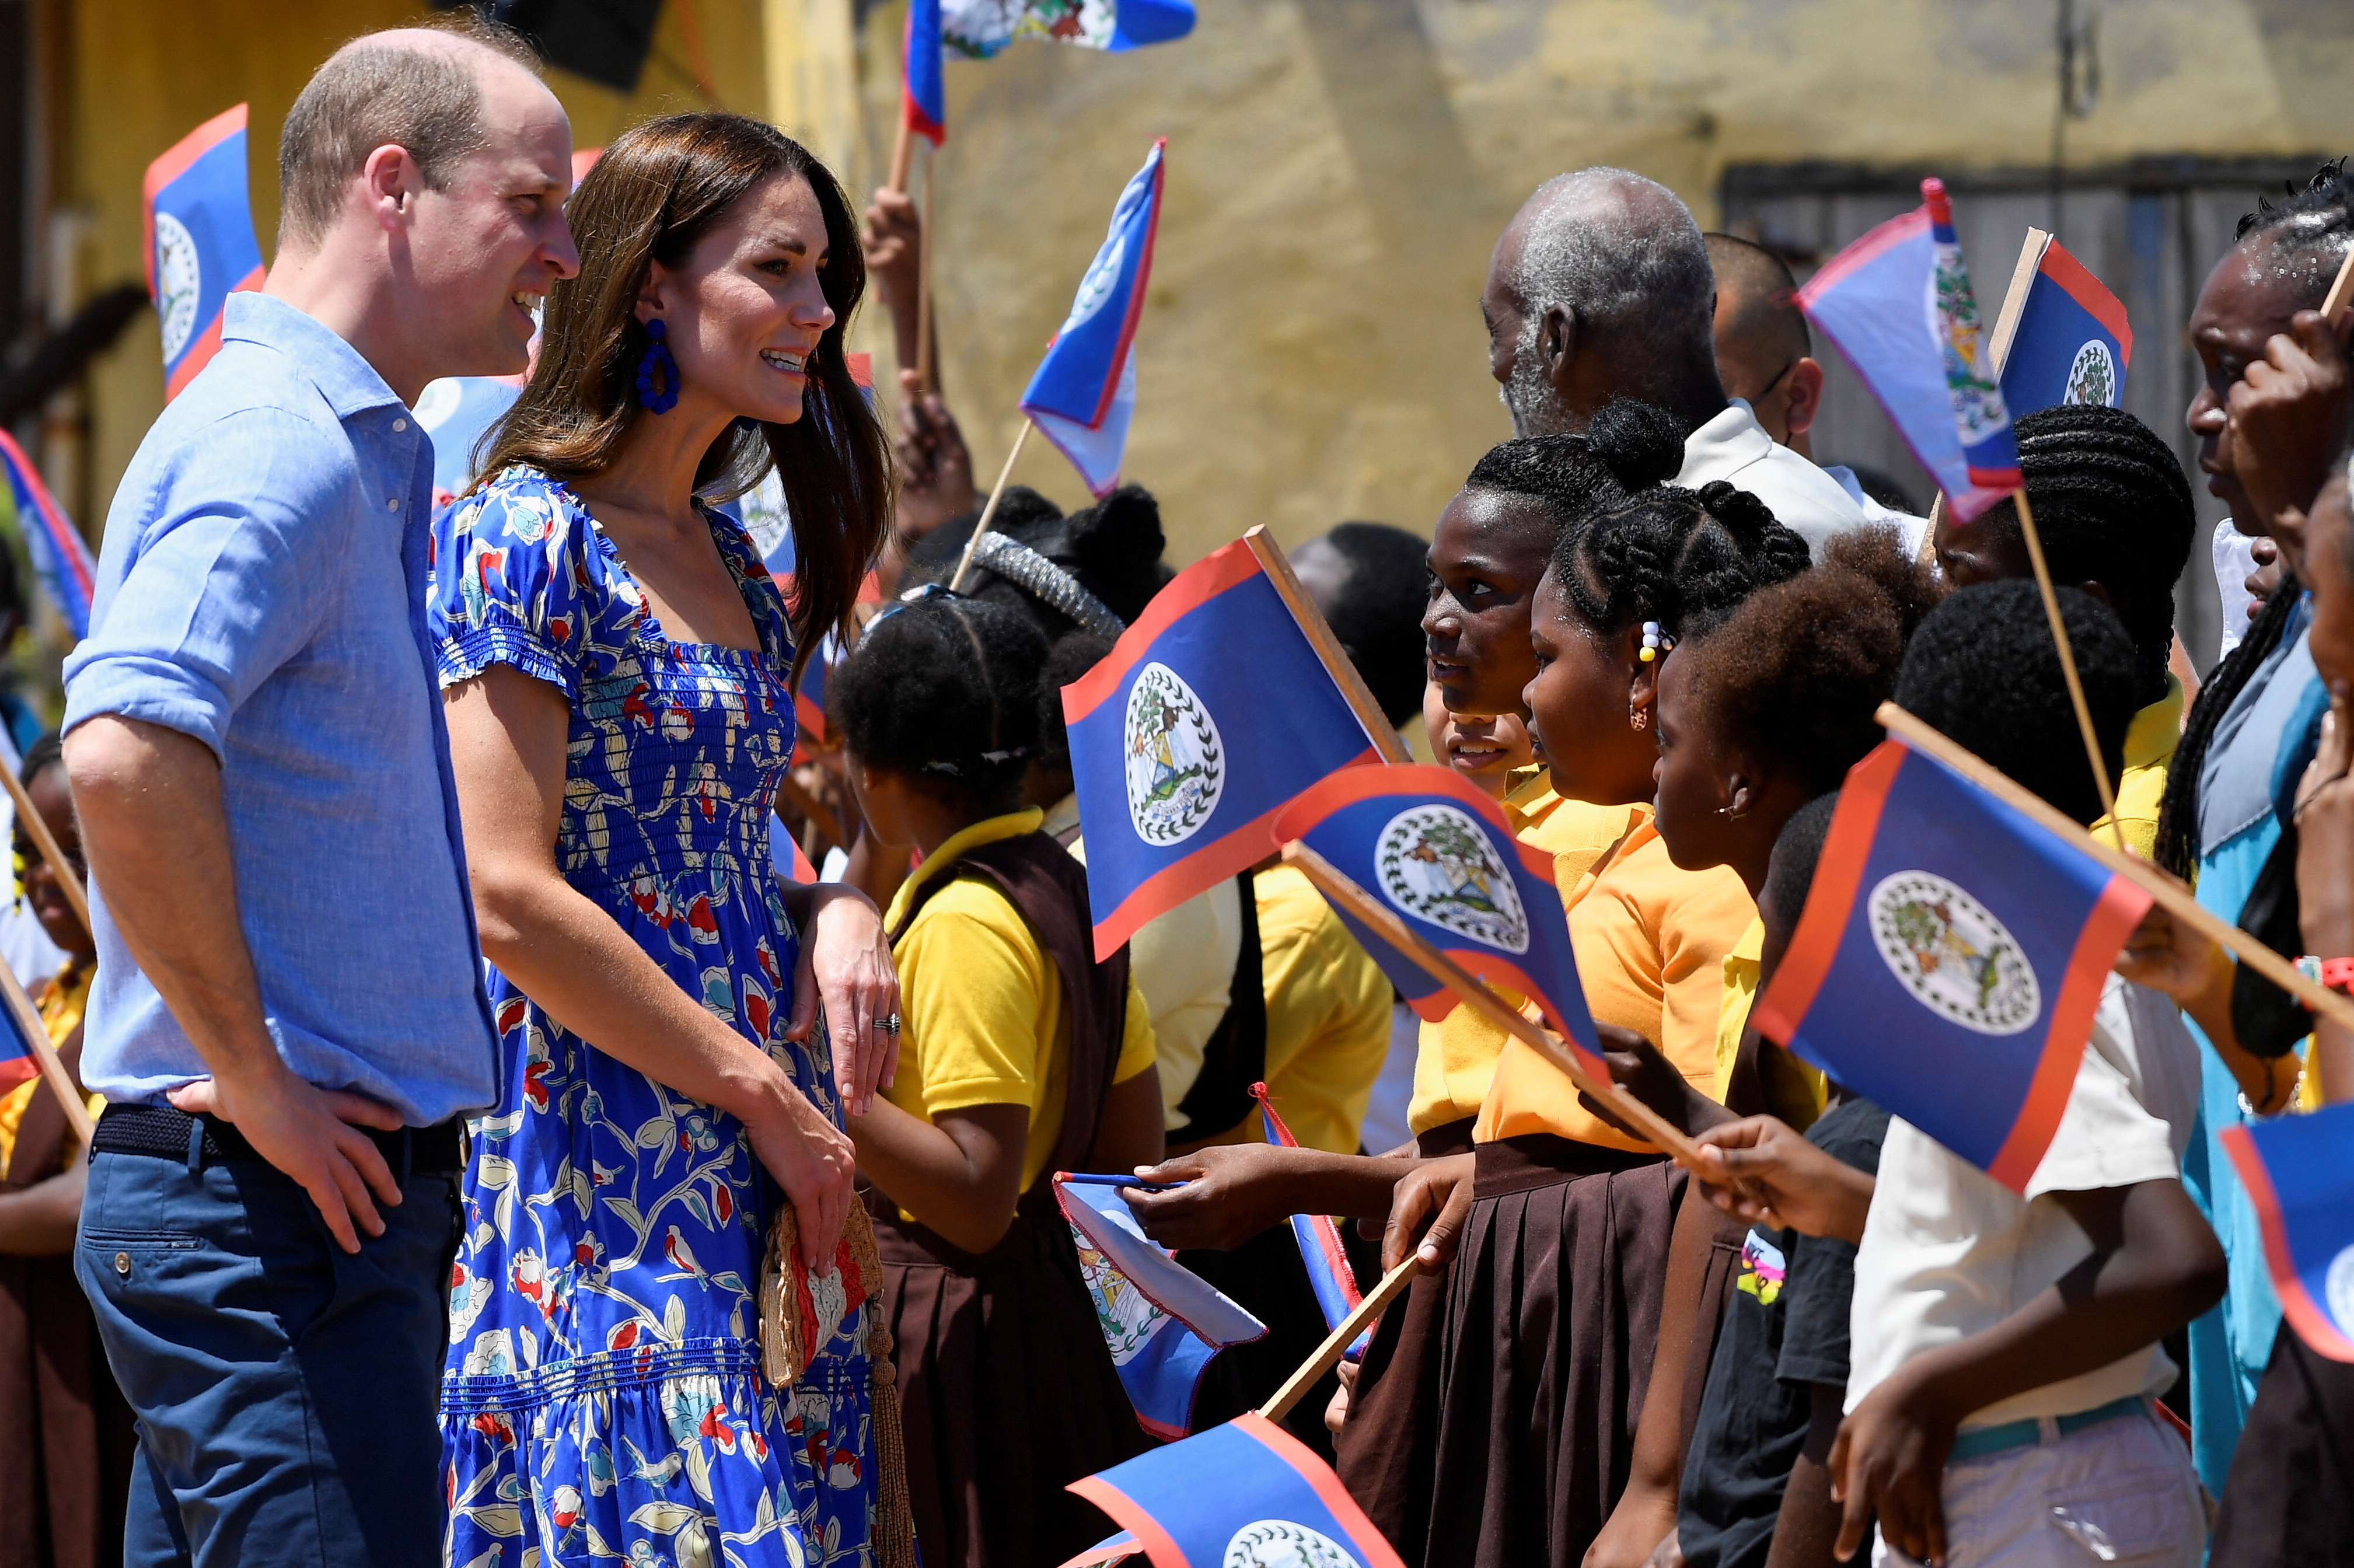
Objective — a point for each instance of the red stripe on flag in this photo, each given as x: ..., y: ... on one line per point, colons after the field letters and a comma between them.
x: 170, y: 166
x: 1130, y: 1516
x: 17, y: 1070
x: 2077, y: 281
x: 1326, y: 1487
x: 2312, y: 1324
x: 2120, y: 908
x: 1198, y: 584
x: 62, y: 538
x: 1823, y: 924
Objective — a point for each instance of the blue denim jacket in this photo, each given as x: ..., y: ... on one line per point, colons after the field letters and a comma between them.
x: 262, y: 589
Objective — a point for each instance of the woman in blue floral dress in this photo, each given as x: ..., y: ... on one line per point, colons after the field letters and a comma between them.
x: 617, y: 669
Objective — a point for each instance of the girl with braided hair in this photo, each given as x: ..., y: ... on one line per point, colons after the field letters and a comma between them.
x: 1543, y: 1368
x: 1020, y: 1056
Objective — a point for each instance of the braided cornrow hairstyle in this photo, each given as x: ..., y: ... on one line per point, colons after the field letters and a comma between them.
x: 1627, y: 448
x: 1684, y: 558
x: 2112, y: 506
x: 2177, y: 848
x: 946, y: 690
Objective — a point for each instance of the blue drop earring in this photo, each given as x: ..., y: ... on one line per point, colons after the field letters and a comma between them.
x: 657, y: 372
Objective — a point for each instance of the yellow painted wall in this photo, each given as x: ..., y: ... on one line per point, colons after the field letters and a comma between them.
x: 1338, y: 170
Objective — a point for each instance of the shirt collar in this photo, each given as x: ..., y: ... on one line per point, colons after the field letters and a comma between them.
x: 1013, y: 825
x: 1727, y: 443
x: 2156, y: 729
x: 349, y: 382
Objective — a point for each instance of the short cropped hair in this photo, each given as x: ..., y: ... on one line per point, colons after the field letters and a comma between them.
x: 377, y: 91
x: 1615, y: 247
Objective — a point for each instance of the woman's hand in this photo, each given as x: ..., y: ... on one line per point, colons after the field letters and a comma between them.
x: 813, y: 1160
x: 1439, y: 1191
x: 2168, y: 956
x: 1762, y: 1170
x: 845, y: 960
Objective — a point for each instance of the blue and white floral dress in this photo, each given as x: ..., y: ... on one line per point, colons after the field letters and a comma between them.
x: 603, y: 1397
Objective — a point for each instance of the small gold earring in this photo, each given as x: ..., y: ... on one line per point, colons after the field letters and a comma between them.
x: 1639, y: 718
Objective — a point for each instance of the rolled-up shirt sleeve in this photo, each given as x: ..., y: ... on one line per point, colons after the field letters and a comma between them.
x: 222, y: 586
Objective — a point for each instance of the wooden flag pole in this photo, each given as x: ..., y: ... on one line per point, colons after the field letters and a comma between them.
x: 27, y: 1019
x: 2162, y: 888
x: 1336, y: 886
x: 2068, y: 667
x: 1337, y: 1343
x: 1335, y: 659
x: 923, y: 277
x: 45, y: 843
x: 2338, y: 288
x: 903, y: 153
x: 2014, y: 299
x: 997, y: 493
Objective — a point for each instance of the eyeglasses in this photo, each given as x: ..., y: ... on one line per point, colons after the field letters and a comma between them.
x: 1763, y: 392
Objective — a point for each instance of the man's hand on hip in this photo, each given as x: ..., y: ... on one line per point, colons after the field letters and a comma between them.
x: 313, y: 1135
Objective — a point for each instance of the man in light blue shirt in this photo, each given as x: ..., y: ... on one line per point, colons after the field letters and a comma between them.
x: 288, y: 1017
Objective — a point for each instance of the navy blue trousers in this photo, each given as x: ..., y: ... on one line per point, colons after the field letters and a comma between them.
x: 286, y: 1391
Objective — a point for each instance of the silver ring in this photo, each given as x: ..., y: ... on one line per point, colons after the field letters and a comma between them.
x: 888, y: 1024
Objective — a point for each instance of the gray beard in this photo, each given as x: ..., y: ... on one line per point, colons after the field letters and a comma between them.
x: 1530, y: 399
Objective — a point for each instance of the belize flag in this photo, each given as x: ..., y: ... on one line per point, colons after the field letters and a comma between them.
x: 2070, y: 342
x: 1161, y: 1320
x: 1440, y: 855
x: 1327, y: 1261
x: 2307, y: 1215
x: 1247, y: 1492
x: 60, y: 558
x: 200, y: 244
x: 1896, y: 304
x: 976, y: 29
x: 1084, y: 393
x: 1950, y: 960
x: 924, y: 99
x: 1209, y: 714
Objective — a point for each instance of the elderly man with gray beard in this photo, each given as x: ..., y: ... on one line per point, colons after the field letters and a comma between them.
x: 1600, y: 288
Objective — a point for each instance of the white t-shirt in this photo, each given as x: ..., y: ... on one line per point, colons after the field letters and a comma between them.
x: 1735, y: 447
x: 1949, y: 1252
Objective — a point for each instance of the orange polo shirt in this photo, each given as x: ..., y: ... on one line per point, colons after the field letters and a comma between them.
x: 1650, y: 943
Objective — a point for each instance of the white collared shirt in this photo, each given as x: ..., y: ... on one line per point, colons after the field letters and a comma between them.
x: 1735, y: 447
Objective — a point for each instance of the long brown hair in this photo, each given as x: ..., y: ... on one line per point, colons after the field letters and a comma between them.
x: 656, y: 191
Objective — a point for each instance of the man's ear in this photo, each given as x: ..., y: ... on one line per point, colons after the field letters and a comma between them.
x: 1805, y: 399
x: 391, y: 181
x: 1557, y: 344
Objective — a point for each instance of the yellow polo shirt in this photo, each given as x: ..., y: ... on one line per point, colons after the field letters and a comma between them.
x: 1650, y: 942
x: 1457, y: 1056
x: 2149, y: 752
x: 1794, y: 1091
x: 982, y: 1005
x: 1328, y: 1015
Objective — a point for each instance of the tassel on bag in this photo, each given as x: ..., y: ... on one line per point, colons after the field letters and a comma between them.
x: 800, y: 1312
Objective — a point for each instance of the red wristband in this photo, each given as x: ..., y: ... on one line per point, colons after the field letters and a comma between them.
x: 2338, y: 974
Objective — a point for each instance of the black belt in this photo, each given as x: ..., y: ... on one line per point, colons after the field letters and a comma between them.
x: 166, y: 1133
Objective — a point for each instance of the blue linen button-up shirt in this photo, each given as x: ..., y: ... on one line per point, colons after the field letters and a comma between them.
x: 262, y: 589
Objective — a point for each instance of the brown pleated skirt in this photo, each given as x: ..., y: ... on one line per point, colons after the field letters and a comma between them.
x: 1552, y: 1318
x: 66, y: 1434
x: 1388, y: 1447
x: 2288, y: 1500
x: 1006, y: 1391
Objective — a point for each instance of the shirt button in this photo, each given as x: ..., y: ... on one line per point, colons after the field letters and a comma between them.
x: 392, y: 503
x: 122, y: 1262
x: 398, y: 425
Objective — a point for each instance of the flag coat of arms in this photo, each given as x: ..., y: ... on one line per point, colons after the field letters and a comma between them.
x: 1441, y: 855
x: 2070, y: 344
x: 60, y: 558
x: 1321, y: 1252
x: 200, y: 244
x: 1209, y: 714
x: 1084, y: 393
x: 1161, y: 1320
x: 1897, y: 305
x: 976, y: 29
x: 1245, y: 1493
x: 2299, y: 1173
x: 1949, y: 960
